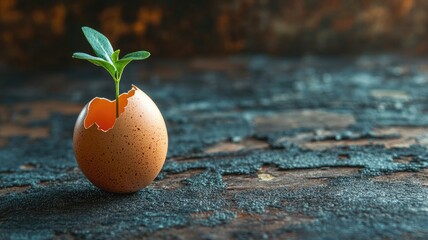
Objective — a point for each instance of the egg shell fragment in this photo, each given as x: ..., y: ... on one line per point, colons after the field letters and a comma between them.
x: 125, y: 154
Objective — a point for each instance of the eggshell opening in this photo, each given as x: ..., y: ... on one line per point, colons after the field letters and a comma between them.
x: 102, y: 111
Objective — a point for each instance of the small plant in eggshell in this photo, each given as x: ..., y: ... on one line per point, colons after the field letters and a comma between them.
x: 120, y: 145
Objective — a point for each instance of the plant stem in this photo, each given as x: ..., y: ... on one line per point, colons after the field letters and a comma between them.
x: 116, y: 83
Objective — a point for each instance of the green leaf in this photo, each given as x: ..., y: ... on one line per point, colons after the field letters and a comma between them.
x: 140, y: 55
x: 99, y: 43
x: 120, y: 65
x: 106, y: 65
x: 106, y: 57
x: 80, y: 55
x: 115, y: 56
x: 97, y: 61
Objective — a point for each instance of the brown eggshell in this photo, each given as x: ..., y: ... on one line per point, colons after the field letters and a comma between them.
x: 125, y: 154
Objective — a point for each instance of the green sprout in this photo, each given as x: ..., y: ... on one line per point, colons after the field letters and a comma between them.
x: 107, y: 58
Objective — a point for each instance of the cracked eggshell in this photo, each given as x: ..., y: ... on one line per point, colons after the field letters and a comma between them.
x: 125, y: 154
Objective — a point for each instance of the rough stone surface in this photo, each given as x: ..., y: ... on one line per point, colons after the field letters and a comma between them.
x: 312, y: 148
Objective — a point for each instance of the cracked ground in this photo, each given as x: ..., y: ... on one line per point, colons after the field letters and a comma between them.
x: 311, y: 148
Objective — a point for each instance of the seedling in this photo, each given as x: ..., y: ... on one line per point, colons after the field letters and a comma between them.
x: 107, y: 58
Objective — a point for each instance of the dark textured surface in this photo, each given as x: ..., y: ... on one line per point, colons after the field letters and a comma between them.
x: 309, y: 148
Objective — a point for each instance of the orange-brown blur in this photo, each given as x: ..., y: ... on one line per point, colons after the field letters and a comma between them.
x: 44, y: 34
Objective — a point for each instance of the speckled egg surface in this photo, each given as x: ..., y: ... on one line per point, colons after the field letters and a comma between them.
x: 125, y: 154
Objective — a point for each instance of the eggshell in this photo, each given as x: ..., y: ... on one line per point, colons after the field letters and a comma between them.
x: 125, y: 154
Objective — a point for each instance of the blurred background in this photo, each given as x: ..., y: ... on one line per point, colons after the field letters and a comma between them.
x: 44, y: 34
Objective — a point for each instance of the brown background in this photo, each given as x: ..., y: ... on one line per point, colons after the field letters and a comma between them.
x: 45, y: 33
